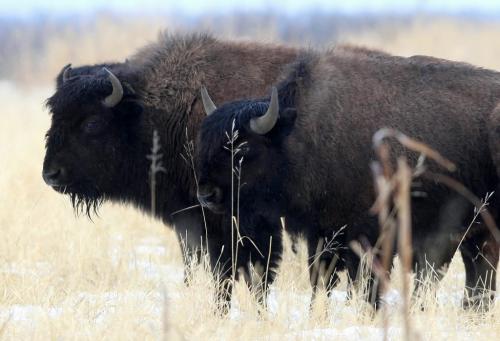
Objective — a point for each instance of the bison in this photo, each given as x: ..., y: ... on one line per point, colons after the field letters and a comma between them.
x: 306, y: 152
x: 103, y: 122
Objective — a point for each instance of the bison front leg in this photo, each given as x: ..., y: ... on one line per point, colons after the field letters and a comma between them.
x: 261, y: 257
x: 221, y: 266
x: 190, y: 256
x: 254, y: 275
x: 428, y: 272
x: 437, y: 230
x: 323, y: 266
x: 480, y: 254
x: 362, y: 279
x: 190, y: 233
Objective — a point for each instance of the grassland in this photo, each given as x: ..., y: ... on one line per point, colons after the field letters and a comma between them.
x: 119, y: 277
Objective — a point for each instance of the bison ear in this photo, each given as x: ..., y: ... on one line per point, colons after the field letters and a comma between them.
x: 130, y: 105
x: 63, y: 75
x: 288, y: 111
x: 129, y: 108
x: 286, y: 122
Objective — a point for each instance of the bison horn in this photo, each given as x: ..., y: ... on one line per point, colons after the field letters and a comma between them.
x: 117, y: 93
x: 208, y: 104
x: 263, y: 124
x: 66, y: 73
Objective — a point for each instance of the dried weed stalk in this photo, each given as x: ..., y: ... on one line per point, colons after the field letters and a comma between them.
x: 393, y: 207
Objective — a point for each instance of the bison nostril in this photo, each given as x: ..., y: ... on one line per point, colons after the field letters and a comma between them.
x: 209, y: 196
x: 205, y: 197
x: 52, y: 177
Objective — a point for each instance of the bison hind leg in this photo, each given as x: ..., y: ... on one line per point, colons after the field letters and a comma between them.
x: 362, y: 280
x: 432, y: 257
x: 480, y: 254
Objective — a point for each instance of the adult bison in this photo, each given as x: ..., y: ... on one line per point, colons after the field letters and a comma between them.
x: 104, y: 117
x: 306, y: 152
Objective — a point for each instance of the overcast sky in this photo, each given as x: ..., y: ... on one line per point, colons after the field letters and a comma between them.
x: 30, y: 7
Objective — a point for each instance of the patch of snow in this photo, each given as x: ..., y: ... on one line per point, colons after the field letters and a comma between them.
x: 111, y: 301
x: 167, y: 273
x: 450, y: 298
x: 367, y: 333
x: 296, y: 308
x: 115, y: 251
x: 27, y: 313
x: 150, y: 250
x: 36, y: 269
x: 392, y: 298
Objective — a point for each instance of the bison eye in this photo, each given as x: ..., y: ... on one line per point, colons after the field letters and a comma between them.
x: 93, y: 125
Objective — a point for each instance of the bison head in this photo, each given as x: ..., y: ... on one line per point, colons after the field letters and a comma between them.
x: 239, y: 151
x: 91, y: 136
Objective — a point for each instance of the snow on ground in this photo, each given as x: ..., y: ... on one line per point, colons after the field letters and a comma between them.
x: 26, y: 269
x: 366, y: 333
x: 27, y: 313
x: 171, y: 276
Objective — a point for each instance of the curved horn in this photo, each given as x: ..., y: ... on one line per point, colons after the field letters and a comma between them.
x: 117, y: 93
x: 66, y: 73
x: 208, y: 105
x: 263, y: 124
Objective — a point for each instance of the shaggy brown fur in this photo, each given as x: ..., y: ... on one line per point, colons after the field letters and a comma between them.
x: 319, y: 175
x: 442, y: 103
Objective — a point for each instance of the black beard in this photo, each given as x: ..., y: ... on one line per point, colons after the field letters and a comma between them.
x: 86, y: 203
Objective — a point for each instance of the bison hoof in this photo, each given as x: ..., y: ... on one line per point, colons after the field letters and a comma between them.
x: 480, y: 303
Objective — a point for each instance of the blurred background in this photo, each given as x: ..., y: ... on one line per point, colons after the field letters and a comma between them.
x: 38, y: 38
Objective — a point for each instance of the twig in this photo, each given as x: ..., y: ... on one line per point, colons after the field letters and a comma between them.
x: 462, y: 190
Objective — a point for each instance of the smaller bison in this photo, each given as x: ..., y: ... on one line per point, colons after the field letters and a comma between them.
x: 306, y: 152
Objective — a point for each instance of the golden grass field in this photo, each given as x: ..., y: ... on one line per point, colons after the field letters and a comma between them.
x: 119, y: 277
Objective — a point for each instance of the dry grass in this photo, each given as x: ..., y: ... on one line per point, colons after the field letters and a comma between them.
x: 119, y: 277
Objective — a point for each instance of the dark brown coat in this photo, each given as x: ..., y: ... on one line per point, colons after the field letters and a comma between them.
x: 314, y: 163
